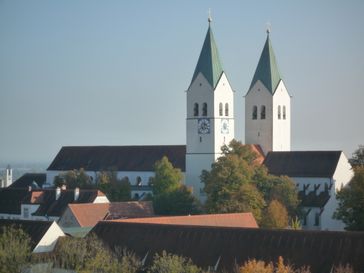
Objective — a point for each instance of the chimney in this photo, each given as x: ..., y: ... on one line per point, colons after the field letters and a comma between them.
x: 77, y: 193
x: 58, y: 193
x: 29, y: 188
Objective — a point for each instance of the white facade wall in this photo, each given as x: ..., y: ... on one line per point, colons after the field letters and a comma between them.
x: 133, y: 176
x: 204, y: 149
x: 259, y: 131
x: 49, y: 240
x: 341, y: 177
x: 281, y: 127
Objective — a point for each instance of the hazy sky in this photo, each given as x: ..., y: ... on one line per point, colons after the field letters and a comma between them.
x: 88, y: 72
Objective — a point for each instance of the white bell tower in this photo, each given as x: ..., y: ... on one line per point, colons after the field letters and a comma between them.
x: 268, y: 106
x: 210, y: 114
x: 8, y: 176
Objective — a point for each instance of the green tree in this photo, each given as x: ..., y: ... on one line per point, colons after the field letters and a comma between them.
x: 169, y: 263
x: 115, y: 189
x: 177, y: 202
x: 74, y: 179
x: 351, y: 202
x: 275, y: 216
x: 357, y: 159
x: 14, y: 249
x: 225, y: 184
x: 166, y: 178
x: 170, y: 196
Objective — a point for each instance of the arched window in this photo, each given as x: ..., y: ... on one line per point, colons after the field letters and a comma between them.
x: 204, y: 109
x: 226, y: 109
x: 195, y: 109
x: 220, y: 109
x: 279, y: 112
x: 284, y: 112
x: 262, y: 112
x: 138, y: 181
x: 255, y: 112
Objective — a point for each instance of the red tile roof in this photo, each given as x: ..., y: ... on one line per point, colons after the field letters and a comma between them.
x: 245, y: 220
x: 88, y: 215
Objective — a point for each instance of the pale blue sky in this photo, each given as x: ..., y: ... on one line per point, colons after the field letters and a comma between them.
x: 87, y: 72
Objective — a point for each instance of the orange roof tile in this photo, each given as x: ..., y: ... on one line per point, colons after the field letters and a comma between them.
x: 89, y: 214
x: 258, y: 151
x: 244, y: 220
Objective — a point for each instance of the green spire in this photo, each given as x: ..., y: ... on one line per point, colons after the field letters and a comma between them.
x: 267, y: 70
x: 209, y: 62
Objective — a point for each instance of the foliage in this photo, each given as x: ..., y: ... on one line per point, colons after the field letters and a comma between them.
x: 115, y: 189
x: 169, y: 263
x: 351, y: 202
x: 254, y: 266
x: 128, y: 261
x: 275, y: 216
x: 166, y: 178
x: 226, y: 184
x: 296, y: 223
x: 84, y: 255
x: 171, y: 197
x: 357, y: 159
x: 177, y: 202
x: 14, y: 249
x: 343, y: 269
x: 74, y: 179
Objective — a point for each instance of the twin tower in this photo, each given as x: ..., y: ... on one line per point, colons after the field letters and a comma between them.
x: 210, y: 111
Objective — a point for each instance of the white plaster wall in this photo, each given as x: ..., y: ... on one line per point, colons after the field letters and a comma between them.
x: 259, y: 131
x: 31, y: 207
x: 281, y: 127
x: 68, y: 219
x: 311, y: 181
x: 101, y: 199
x: 199, y: 92
x: 342, y: 176
x: 48, y: 242
x: 223, y: 94
x: 195, y: 163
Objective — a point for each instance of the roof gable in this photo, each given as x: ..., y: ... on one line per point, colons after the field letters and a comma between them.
x: 118, y: 158
x: 209, y: 64
x: 35, y: 229
x: 303, y: 163
x: 30, y: 179
x: 267, y: 70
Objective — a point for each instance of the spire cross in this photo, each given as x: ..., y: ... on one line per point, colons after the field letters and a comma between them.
x: 268, y: 27
x: 209, y: 19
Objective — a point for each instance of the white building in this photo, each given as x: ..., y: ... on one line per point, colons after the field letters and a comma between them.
x: 268, y: 106
x: 318, y: 176
x: 210, y: 114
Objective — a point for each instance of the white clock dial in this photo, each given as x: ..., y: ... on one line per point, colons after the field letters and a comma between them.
x: 224, y: 126
x: 203, y: 126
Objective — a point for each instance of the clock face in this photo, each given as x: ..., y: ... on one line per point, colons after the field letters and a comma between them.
x: 224, y: 126
x: 203, y: 126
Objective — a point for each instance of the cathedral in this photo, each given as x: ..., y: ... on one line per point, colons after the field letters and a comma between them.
x: 210, y: 124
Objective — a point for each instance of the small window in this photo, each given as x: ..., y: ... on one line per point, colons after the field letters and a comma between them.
x: 220, y: 109
x: 317, y: 219
x: 195, y: 109
x: 138, y: 181
x: 262, y: 112
x: 284, y: 112
x: 26, y: 212
x: 204, y: 109
x: 255, y: 112
x: 279, y: 112
x: 226, y: 109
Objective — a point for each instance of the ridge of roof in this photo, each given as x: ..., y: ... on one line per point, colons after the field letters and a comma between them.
x: 267, y: 69
x: 125, y: 158
x: 209, y: 64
